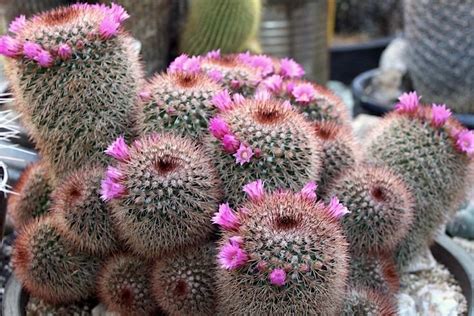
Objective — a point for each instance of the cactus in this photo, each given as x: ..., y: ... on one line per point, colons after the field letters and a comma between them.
x: 439, y: 59
x: 74, y: 74
x: 124, y: 286
x: 281, y: 253
x: 226, y: 25
x: 164, y: 190
x: 377, y: 273
x: 184, y: 284
x: 82, y: 217
x: 340, y: 151
x: 381, y: 209
x: 179, y: 102
x: 432, y: 153
x: 33, y: 198
x: 263, y: 139
x: 364, y: 302
x: 37, y: 307
x: 48, y: 268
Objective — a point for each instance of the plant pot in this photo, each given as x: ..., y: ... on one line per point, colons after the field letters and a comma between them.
x: 348, y: 61
x: 445, y: 251
x: 366, y: 104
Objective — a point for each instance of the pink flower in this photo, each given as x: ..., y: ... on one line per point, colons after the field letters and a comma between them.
x: 222, y: 100
x: 273, y: 83
x: 309, y: 191
x: 238, y: 98
x: 145, y: 95
x: 192, y: 65
x: 238, y: 240
x: 44, y: 58
x: 440, y: 114
x: 254, y: 190
x: 64, y: 51
x: 118, y: 12
x: 177, y: 64
x: 232, y: 257
x: 409, y: 102
x: 291, y: 69
x: 118, y: 149
x: 110, y: 189
x: 109, y: 27
x: 215, y: 75
x: 287, y: 105
x: 263, y: 63
x: 214, y: 54
x: 290, y: 86
x: 31, y: 50
x: 235, y: 84
x: 245, y: 57
x: 262, y: 95
x: 226, y: 218
x: 304, y: 92
x: 218, y: 128
x: 278, y: 277
x: 113, y: 174
x: 243, y: 154
x: 336, y: 209
x: 465, y: 141
x: 230, y: 143
x: 17, y: 24
x: 9, y: 46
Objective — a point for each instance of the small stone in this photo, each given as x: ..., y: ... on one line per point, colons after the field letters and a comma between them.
x: 437, y: 300
x: 406, y: 305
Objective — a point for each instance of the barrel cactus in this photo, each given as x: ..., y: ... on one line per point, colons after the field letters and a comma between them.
x: 163, y: 191
x: 281, y: 253
x: 375, y: 272
x: 361, y: 301
x: 74, y: 73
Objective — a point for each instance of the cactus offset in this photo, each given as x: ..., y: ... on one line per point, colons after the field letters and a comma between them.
x: 74, y: 75
x: 432, y: 153
x: 263, y: 139
x: 381, y: 209
x: 340, y: 151
x: 283, y: 254
x: 226, y: 25
x: 37, y: 307
x: 178, y: 102
x: 33, y: 198
x: 49, y: 268
x: 378, y: 273
x: 124, y: 286
x: 184, y: 284
x: 164, y: 190
x: 82, y: 217
x: 364, y: 302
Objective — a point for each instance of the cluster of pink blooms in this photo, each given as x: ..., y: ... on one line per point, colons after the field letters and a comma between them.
x: 409, y: 103
x: 12, y: 47
x: 111, y: 186
x: 232, y: 255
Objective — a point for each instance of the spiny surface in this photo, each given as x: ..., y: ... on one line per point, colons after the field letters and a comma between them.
x: 378, y: 273
x: 364, y: 302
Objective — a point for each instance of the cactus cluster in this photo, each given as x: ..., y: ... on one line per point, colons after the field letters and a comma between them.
x: 140, y: 176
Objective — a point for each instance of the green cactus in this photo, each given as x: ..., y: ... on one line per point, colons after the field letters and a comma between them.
x: 184, y: 284
x: 285, y: 254
x: 124, y: 286
x: 432, y: 158
x: 381, y: 207
x: 230, y: 25
x: 48, y: 268
x: 82, y: 217
x: 33, y: 198
x: 263, y: 139
x: 377, y: 273
x: 340, y: 152
x: 166, y: 190
x: 178, y: 102
x: 364, y: 302
x: 75, y: 82
x: 37, y: 307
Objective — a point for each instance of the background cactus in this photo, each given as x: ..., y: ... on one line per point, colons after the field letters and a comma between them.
x: 82, y: 217
x: 33, y: 198
x: 263, y: 139
x: 430, y: 152
x: 440, y: 60
x: 184, y: 284
x: 164, y: 190
x: 230, y: 26
x: 178, y: 102
x: 381, y: 209
x: 377, y: 273
x: 340, y: 151
x: 285, y: 254
x: 37, y: 307
x: 48, y: 268
x: 361, y: 301
x: 124, y: 286
x: 75, y: 82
